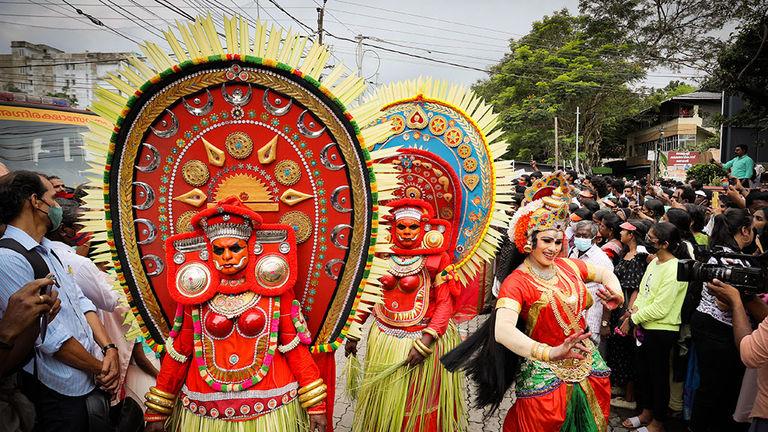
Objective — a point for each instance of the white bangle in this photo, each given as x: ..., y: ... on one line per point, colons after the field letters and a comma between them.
x: 181, y: 358
x: 289, y: 346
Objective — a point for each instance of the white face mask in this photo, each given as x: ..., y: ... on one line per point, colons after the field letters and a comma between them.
x: 582, y: 244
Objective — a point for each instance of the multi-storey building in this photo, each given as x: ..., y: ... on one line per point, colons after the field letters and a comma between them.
x: 41, y: 70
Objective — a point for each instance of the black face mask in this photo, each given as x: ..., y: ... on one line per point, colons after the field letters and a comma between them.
x: 651, y: 248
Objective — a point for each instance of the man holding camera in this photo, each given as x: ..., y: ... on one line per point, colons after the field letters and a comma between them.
x: 59, y: 375
x: 752, y: 346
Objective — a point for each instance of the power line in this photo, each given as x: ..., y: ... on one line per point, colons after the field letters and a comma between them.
x: 429, y: 18
x: 175, y: 9
x: 424, y: 26
x: 446, y: 62
x: 66, y: 63
x: 98, y: 22
x: 277, y: 5
x: 62, y: 28
x: 133, y: 15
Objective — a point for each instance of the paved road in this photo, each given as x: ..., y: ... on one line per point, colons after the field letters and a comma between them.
x: 344, y: 409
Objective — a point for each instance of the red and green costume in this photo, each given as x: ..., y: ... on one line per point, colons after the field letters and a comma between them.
x: 571, y: 395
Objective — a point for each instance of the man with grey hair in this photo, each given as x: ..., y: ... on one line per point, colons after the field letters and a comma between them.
x: 585, y: 249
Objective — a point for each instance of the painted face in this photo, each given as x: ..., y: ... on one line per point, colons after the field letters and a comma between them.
x: 407, y: 232
x: 230, y: 255
x: 549, y: 244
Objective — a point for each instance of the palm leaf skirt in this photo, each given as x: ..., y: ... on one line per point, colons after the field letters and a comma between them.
x: 394, y: 397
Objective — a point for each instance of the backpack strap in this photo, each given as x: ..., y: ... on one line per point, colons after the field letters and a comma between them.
x: 39, y: 267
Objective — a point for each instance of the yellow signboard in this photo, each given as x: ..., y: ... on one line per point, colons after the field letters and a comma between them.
x: 43, y: 115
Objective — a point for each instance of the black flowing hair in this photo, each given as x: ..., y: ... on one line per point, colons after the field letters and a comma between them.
x: 683, y: 221
x: 490, y: 365
x: 727, y: 225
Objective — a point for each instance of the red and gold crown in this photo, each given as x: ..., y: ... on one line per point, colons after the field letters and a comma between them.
x: 228, y: 218
x: 545, y: 207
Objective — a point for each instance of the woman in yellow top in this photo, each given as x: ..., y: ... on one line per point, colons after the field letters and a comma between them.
x: 656, y: 313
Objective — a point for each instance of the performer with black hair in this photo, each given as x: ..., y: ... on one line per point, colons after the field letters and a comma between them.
x: 537, y: 335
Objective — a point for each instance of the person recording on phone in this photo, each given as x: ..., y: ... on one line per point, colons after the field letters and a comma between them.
x: 73, y: 353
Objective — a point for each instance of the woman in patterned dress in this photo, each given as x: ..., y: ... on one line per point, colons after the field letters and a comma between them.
x: 536, y: 337
x: 621, y: 346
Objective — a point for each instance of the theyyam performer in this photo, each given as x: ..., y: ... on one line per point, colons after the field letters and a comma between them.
x: 237, y: 201
x: 440, y: 226
x: 536, y: 337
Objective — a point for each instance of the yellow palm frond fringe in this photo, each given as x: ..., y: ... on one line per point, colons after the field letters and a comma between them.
x: 195, y: 42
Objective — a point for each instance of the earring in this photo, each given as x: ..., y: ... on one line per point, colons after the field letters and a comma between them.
x: 528, y: 247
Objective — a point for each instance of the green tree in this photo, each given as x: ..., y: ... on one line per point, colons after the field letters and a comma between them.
x: 64, y: 94
x: 670, y: 33
x: 11, y: 87
x: 560, y: 65
x: 742, y: 68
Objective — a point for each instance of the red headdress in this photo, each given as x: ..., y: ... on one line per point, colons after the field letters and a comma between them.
x: 271, y: 268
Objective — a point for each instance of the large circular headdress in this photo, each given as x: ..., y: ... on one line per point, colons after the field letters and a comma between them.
x: 256, y: 120
x: 448, y: 142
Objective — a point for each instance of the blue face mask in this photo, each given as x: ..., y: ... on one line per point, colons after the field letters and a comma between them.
x: 582, y: 244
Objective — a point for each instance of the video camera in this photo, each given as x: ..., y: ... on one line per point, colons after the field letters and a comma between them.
x: 748, y: 280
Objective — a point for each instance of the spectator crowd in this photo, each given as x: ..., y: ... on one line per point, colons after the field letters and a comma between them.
x: 693, y: 350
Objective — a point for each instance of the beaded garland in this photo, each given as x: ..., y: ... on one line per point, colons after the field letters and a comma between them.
x: 202, y: 362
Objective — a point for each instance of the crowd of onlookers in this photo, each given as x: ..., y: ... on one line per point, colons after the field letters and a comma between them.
x: 673, y: 347
x: 65, y: 362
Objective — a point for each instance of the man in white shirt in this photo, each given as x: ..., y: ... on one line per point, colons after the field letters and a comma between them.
x: 587, y: 250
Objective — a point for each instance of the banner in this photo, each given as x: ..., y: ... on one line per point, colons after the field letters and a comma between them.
x: 46, y: 115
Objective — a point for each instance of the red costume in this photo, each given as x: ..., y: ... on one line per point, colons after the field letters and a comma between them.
x: 238, y: 350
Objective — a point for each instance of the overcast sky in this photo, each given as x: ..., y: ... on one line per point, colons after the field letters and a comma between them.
x: 470, y: 33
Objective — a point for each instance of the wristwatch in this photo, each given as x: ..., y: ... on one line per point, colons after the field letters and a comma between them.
x: 108, y: 347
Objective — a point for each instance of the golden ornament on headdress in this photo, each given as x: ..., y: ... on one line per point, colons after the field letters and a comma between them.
x: 545, y: 207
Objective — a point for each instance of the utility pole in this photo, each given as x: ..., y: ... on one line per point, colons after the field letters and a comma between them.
x: 320, y: 15
x: 359, y: 54
x: 656, y: 154
x: 557, y: 148
x: 578, y: 113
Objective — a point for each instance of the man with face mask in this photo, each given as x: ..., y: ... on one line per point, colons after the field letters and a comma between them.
x: 73, y: 354
x: 586, y: 249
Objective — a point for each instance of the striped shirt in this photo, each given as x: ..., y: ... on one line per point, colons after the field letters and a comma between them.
x: 15, y: 271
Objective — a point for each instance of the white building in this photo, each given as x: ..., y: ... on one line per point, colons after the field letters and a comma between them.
x: 37, y: 70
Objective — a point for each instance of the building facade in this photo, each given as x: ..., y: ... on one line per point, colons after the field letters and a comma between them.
x: 680, y: 123
x: 40, y: 70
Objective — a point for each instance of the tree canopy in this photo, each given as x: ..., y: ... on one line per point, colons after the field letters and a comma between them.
x: 671, y: 33
x: 560, y: 65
